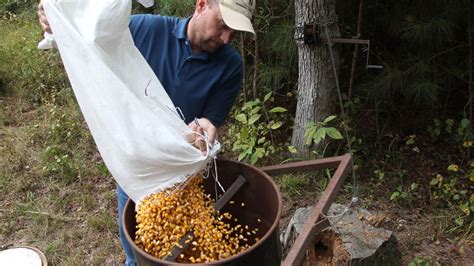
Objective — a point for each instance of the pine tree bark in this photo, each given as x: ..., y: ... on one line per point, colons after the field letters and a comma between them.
x: 316, y: 83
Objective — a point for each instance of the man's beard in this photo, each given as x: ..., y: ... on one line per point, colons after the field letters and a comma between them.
x: 211, y: 46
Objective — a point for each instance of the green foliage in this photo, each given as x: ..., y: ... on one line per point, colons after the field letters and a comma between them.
x: 29, y: 73
x: 406, y: 194
x: 254, y: 129
x: 278, y: 54
x: 102, y: 221
x: 423, y: 261
x: 11, y: 8
x: 317, y: 132
x: 66, y: 142
x: 436, y: 31
x: 457, y: 133
x: 181, y: 8
x: 293, y: 185
x: 455, y: 190
x: 423, y: 45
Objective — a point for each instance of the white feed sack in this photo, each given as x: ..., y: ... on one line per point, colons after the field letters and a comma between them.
x: 136, y: 127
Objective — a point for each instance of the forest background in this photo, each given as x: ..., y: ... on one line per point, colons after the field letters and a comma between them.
x: 407, y: 125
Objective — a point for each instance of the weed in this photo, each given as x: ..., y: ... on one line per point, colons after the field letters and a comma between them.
x: 455, y: 189
x: 303, y: 184
x: 253, y: 138
x: 102, y: 169
x: 294, y: 184
x: 424, y: 261
x: 406, y: 194
x: 318, y: 133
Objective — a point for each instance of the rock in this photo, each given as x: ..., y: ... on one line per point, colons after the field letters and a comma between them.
x: 353, y: 238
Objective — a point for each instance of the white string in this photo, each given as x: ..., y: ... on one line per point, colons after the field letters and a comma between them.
x: 354, y: 193
x: 216, y: 176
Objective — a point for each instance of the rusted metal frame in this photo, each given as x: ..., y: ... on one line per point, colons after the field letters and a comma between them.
x: 304, y: 240
x: 311, y: 165
x: 314, y: 223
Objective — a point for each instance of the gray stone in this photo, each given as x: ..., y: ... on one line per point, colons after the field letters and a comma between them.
x: 357, y: 235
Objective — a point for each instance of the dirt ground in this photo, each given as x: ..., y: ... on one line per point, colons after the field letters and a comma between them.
x: 417, y: 234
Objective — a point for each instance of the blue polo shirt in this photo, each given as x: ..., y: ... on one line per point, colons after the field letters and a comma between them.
x: 200, y: 84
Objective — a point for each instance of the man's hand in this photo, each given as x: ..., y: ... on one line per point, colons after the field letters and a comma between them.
x: 203, y: 125
x: 43, y: 20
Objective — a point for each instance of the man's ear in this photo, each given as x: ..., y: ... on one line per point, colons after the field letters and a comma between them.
x: 200, y: 5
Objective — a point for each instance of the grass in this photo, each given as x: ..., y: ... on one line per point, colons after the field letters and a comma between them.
x: 55, y: 194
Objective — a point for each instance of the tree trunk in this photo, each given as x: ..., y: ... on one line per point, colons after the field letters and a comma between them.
x: 316, y: 83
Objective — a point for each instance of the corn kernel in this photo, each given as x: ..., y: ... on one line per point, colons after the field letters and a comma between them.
x: 164, y: 218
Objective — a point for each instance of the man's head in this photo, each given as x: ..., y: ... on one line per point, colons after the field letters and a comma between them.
x: 215, y: 21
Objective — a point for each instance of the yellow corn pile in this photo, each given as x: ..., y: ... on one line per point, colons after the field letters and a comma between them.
x: 164, y: 218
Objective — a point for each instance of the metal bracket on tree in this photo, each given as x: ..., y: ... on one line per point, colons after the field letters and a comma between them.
x: 311, y: 35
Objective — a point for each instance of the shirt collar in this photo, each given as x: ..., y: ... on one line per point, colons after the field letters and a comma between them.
x: 180, y: 29
x: 180, y: 32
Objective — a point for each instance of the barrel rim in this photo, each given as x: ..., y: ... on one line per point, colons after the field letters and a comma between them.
x: 267, y: 235
x: 44, y: 261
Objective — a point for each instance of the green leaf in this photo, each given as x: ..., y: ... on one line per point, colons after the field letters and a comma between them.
x: 255, y: 110
x: 414, y: 186
x: 459, y: 221
x: 395, y: 195
x: 242, y: 155
x: 261, y: 140
x: 434, y: 182
x: 310, y: 134
x: 465, y: 123
x: 329, y: 119
x: 259, y: 152
x: 410, y: 141
x: 241, y: 118
x: 276, y: 125
x: 449, y: 125
x: 267, y: 96
x: 237, y: 145
x: 278, y: 110
x: 319, y: 135
x: 292, y: 149
x: 251, y: 144
x: 333, y: 133
x: 449, y: 122
x: 453, y: 167
x: 244, y: 133
x: 254, y: 118
x: 310, y: 125
x: 253, y: 158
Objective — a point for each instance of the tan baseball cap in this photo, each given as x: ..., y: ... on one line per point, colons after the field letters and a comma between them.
x: 237, y: 14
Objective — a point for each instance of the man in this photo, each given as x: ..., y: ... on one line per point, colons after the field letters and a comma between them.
x: 192, y: 58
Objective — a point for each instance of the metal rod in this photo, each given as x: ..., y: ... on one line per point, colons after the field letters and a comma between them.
x: 230, y: 192
x: 311, y: 165
x: 354, y: 41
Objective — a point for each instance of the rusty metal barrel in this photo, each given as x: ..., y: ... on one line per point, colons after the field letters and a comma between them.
x: 262, y: 201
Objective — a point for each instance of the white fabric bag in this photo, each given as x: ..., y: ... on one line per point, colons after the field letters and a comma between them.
x: 138, y: 132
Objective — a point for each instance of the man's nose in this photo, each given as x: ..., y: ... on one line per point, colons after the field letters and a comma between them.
x: 227, y: 36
